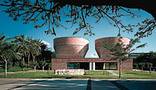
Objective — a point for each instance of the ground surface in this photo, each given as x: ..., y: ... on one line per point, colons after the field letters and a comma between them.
x: 77, y: 84
x: 98, y: 74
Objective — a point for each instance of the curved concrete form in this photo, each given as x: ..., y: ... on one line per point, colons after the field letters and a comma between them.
x: 70, y: 47
x: 101, y: 51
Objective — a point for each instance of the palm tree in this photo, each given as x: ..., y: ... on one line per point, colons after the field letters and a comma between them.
x: 23, y: 47
x: 35, y: 64
x: 34, y: 48
x: 8, y: 51
x: 43, y: 63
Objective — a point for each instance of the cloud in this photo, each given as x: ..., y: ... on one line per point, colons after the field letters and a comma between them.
x: 94, y: 56
x: 46, y: 43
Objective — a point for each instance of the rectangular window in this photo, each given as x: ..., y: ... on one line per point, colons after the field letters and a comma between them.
x: 73, y: 65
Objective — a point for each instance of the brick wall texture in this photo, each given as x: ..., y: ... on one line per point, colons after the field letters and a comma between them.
x: 101, y: 51
x: 59, y: 63
x: 72, y: 49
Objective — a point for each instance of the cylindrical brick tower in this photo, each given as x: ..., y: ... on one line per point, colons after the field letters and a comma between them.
x: 70, y: 47
x: 101, y: 51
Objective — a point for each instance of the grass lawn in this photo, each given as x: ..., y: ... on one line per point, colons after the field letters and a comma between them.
x: 88, y: 74
x: 137, y: 75
x: 14, y: 69
x: 44, y: 74
x: 1, y: 70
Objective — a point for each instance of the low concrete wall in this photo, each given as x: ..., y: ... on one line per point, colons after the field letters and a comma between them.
x: 69, y: 72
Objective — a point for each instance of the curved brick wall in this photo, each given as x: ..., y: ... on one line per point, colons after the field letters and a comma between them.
x: 70, y: 47
x: 102, y: 53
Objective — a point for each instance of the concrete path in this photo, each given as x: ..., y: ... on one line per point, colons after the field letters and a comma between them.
x: 78, y: 84
x: 119, y: 84
x: 98, y: 84
x: 143, y: 84
x: 4, y: 81
x: 111, y: 71
x: 44, y: 84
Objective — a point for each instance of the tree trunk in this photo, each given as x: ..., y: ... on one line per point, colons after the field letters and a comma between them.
x: 33, y: 58
x: 150, y: 69
x: 43, y: 68
x: 6, y: 68
x: 28, y: 60
x: 34, y: 68
x: 48, y: 71
x: 119, y: 69
x: 23, y: 70
x: 23, y: 64
x: 142, y: 68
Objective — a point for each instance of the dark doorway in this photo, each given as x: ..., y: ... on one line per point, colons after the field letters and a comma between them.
x: 98, y: 66
x: 84, y: 65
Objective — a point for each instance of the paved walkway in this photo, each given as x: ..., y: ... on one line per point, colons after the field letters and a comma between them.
x: 125, y: 84
x: 111, y: 71
x: 78, y: 84
x: 44, y: 84
x: 4, y: 81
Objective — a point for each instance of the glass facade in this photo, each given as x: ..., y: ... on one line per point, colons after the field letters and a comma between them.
x: 76, y: 65
x: 73, y: 65
x: 98, y: 65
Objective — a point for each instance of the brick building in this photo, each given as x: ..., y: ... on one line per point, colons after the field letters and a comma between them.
x: 70, y: 53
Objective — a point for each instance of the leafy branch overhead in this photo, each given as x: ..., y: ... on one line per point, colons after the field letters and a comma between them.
x: 53, y: 12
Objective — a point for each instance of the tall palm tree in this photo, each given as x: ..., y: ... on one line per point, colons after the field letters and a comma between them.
x: 23, y: 47
x: 34, y: 48
x: 7, y: 51
x: 3, y: 39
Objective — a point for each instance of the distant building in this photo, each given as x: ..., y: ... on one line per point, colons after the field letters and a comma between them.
x: 137, y: 54
x: 70, y: 53
x: 134, y: 55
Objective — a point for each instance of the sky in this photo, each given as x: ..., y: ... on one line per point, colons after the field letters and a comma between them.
x: 102, y: 29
